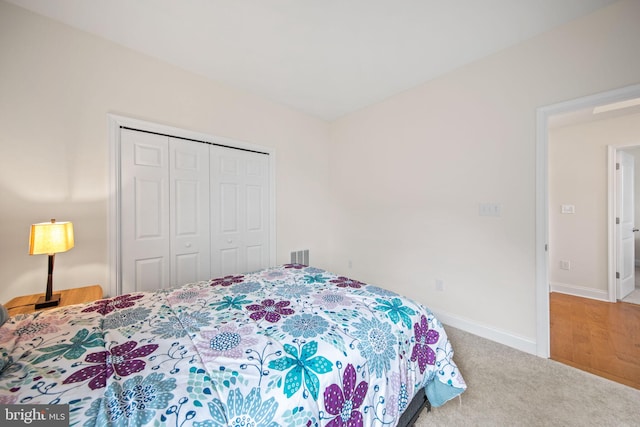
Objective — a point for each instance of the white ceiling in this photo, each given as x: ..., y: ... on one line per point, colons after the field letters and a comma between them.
x: 323, y: 57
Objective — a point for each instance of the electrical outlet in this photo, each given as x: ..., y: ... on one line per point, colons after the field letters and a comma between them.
x: 565, y: 265
x: 439, y: 285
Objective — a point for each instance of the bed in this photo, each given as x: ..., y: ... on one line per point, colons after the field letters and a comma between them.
x: 287, y: 346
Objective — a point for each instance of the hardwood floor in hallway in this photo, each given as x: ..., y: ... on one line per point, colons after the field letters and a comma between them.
x: 596, y: 336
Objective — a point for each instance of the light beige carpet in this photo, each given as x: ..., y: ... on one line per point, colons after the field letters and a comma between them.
x: 507, y: 387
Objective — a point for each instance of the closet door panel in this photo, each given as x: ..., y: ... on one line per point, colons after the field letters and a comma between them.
x: 149, y: 273
x: 144, y: 201
x: 256, y: 195
x: 254, y: 208
x: 185, y: 267
x: 149, y: 199
x: 189, y: 219
x: 228, y: 262
x: 228, y: 209
x: 239, y: 211
x: 255, y: 257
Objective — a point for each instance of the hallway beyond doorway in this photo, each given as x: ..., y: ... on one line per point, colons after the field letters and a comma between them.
x: 634, y: 297
x: 596, y: 336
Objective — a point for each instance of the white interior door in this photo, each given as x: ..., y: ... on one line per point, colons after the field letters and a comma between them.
x: 239, y: 211
x: 189, y: 217
x: 625, y: 235
x: 144, y: 195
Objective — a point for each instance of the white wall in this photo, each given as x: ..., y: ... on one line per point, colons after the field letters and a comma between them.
x: 57, y: 85
x: 578, y: 176
x: 408, y: 173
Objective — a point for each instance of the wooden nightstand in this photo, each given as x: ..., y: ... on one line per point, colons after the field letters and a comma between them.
x: 26, y: 304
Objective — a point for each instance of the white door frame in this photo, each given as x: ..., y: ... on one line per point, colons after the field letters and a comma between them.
x: 542, y: 204
x: 115, y: 122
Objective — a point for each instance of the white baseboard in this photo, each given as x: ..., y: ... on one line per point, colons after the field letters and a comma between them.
x: 579, y: 291
x: 520, y: 343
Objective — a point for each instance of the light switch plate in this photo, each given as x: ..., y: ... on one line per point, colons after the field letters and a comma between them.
x: 489, y: 209
x: 568, y: 209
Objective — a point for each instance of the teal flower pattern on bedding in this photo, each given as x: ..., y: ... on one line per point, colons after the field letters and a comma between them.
x: 286, y: 346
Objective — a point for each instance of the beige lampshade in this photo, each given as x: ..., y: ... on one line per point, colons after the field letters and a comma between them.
x: 50, y: 237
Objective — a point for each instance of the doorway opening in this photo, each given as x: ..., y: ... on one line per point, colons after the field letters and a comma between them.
x: 578, y: 109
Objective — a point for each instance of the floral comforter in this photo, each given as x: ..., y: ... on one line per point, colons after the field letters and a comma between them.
x: 287, y: 346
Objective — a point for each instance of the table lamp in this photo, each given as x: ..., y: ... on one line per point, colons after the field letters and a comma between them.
x: 50, y: 238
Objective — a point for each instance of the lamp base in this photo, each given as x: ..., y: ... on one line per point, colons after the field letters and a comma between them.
x: 44, y: 303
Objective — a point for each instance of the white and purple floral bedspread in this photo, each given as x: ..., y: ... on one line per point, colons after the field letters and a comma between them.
x: 287, y: 346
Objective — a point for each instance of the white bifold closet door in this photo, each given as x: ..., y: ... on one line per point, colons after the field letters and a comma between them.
x: 189, y: 211
x: 240, y: 211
